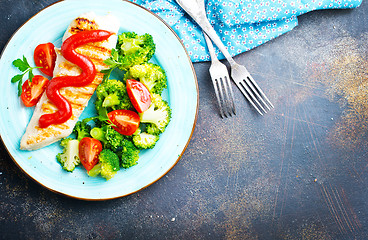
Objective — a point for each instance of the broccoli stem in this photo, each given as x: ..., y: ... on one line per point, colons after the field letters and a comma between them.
x: 99, y: 134
x: 111, y: 100
x: 95, y: 170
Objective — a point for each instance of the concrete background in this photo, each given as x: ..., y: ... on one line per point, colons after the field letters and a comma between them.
x: 299, y: 172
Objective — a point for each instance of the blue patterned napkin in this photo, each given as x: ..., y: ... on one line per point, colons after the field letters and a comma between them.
x: 241, y: 24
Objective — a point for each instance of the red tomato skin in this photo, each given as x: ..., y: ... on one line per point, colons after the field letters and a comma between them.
x: 38, y: 85
x: 89, y: 150
x: 45, y: 57
x: 139, y: 95
x: 126, y: 122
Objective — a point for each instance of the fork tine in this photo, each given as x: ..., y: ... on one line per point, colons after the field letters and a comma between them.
x: 245, y: 90
x: 241, y: 77
x: 222, y: 96
x: 250, y: 92
x: 252, y: 87
x: 261, y: 92
x: 229, y: 95
x: 215, y: 86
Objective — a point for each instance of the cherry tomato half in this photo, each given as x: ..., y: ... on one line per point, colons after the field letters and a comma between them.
x: 139, y: 95
x: 89, y: 150
x: 32, y: 91
x: 126, y: 121
x: 45, y: 57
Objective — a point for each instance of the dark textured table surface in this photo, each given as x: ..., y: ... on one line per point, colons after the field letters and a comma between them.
x: 299, y: 172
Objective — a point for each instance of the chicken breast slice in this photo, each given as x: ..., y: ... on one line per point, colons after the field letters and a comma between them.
x: 36, y: 137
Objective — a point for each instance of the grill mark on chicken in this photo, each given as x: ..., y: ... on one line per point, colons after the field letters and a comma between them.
x: 48, y: 107
x: 45, y: 133
x: 68, y: 67
x: 82, y: 24
x: 97, y: 54
x: 96, y: 48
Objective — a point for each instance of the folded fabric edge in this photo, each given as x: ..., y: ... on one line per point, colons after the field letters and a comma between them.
x: 247, y: 33
x: 256, y: 35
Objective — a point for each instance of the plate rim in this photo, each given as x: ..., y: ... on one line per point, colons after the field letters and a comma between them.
x: 184, y: 147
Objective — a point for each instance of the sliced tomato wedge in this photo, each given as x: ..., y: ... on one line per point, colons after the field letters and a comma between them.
x: 139, y: 95
x: 89, y: 150
x: 125, y: 122
x: 32, y: 91
x: 45, y: 57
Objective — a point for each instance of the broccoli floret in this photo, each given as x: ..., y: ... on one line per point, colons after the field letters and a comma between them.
x: 151, y: 128
x: 119, y: 144
x: 134, y: 49
x: 150, y: 74
x: 129, y: 154
x: 109, y: 137
x: 112, y: 95
x: 158, y: 115
x: 109, y: 163
x: 82, y: 129
x: 114, y: 140
x: 69, y: 158
x: 145, y: 140
x: 107, y: 166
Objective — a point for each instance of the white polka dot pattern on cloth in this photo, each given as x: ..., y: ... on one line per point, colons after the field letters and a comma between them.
x: 241, y: 24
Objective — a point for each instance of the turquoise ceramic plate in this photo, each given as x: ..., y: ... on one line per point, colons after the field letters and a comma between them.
x: 182, y: 93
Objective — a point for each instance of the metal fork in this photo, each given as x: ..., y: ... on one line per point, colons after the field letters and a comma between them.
x: 221, y: 83
x: 239, y: 74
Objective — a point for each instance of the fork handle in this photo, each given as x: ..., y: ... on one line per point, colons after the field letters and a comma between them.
x: 211, y: 33
x: 210, y: 47
x: 198, y: 13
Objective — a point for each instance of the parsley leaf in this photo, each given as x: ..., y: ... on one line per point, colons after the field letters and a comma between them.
x: 16, y: 78
x: 107, y: 73
x: 113, y: 62
x: 24, y: 67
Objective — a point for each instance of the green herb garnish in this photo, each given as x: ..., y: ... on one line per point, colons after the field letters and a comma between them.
x: 112, y: 62
x: 24, y: 67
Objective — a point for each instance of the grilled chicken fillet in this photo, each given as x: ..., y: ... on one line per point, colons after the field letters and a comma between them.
x: 36, y: 137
